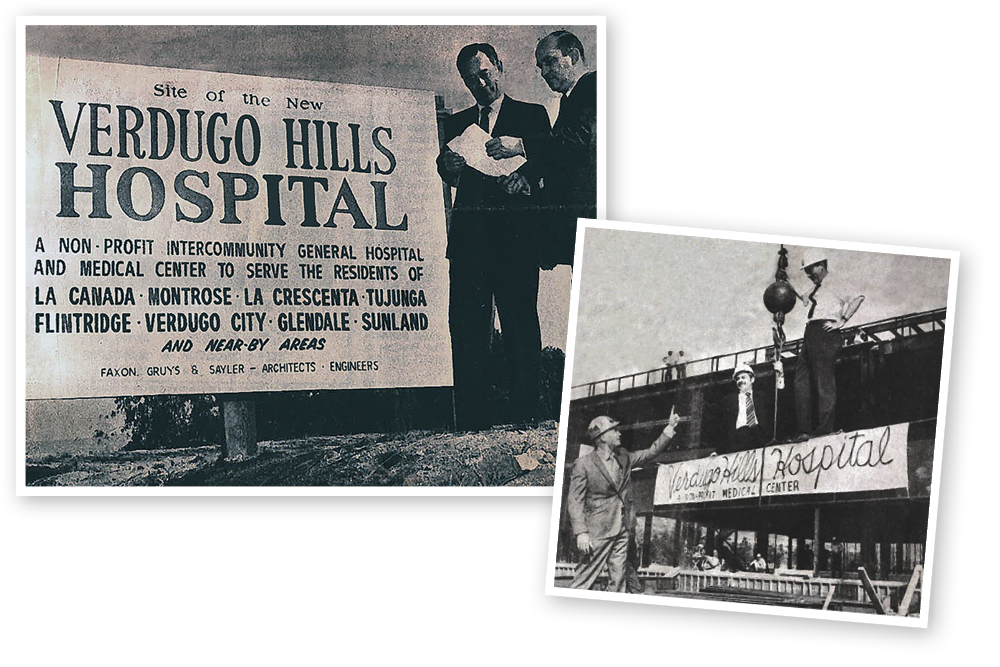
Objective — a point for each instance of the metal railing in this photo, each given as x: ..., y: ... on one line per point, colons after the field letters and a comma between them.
x: 903, y: 326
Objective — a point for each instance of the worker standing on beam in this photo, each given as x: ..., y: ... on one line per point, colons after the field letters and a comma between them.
x: 828, y: 311
x: 601, y: 505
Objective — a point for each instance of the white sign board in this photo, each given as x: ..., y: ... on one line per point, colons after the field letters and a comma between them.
x: 199, y: 232
x: 725, y: 477
x: 869, y: 460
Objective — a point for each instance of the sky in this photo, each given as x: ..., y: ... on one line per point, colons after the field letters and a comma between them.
x: 643, y: 294
x: 419, y: 57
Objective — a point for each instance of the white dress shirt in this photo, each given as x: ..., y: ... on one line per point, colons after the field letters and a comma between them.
x: 494, y: 111
x: 741, y: 410
x: 831, y: 298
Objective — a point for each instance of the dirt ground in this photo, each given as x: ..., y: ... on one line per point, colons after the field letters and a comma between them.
x: 502, y: 456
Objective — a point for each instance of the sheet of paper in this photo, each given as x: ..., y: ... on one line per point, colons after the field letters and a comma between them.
x: 471, y: 145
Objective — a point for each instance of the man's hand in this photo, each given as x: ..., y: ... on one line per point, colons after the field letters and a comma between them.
x: 452, y: 162
x: 583, y: 543
x: 672, y: 422
x: 514, y: 184
x: 501, y: 147
x: 832, y: 325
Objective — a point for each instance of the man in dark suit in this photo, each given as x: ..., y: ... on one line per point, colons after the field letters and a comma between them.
x: 492, y: 248
x: 567, y: 155
x: 748, y: 413
x: 600, y: 501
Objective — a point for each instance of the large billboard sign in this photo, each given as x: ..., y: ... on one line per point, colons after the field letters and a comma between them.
x: 866, y: 460
x: 200, y: 232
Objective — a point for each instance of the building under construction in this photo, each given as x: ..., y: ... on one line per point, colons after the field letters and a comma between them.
x: 841, y: 520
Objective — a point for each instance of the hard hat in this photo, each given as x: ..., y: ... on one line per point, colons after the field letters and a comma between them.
x: 599, y: 426
x: 743, y: 368
x: 812, y: 256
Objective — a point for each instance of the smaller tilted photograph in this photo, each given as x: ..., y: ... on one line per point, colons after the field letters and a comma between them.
x: 752, y: 423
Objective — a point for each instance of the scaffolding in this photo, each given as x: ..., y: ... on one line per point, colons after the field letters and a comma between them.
x: 881, y: 331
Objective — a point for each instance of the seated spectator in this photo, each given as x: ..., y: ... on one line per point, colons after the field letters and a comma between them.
x: 698, y: 557
x: 758, y: 564
x: 711, y: 563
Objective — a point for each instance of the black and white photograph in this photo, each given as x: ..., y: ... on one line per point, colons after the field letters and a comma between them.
x: 297, y: 506
x: 753, y: 423
x: 338, y: 257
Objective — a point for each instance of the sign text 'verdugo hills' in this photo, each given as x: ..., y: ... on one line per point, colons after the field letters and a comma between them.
x: 195, y: 232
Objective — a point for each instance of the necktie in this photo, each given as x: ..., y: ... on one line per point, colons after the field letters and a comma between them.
x: 614, y: 469
x: 751, y: 414
x: 484, y: 119
x: 562, y: 101
x: 812, y: 297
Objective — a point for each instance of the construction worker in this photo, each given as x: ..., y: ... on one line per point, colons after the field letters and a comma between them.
x: 828, y: 311
x: 601, y: 505
x: 748, y: 413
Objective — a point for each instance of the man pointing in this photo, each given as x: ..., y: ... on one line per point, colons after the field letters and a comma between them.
x: 601, y: 505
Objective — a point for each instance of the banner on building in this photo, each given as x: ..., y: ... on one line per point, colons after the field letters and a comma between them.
x: 201, y: 232
x: 725, y: 477
x: 867, y: 460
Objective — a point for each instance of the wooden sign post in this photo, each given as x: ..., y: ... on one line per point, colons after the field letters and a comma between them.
x: 239, y: 419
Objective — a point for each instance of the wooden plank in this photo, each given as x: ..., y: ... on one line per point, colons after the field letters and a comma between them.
x: 239, y: 420
x: 870, y: 590
x: 904, y: 606
x: 817, y: 546
x: 829, y: 596
x: 647, y: 541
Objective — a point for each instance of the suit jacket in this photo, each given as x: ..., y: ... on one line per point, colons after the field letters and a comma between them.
x: 598, y: 505
x: 486, y: 222
x: 567, y: 158
x: 763, y: 407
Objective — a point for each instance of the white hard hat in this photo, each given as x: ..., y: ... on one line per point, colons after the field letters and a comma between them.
x: 812, y: 256
x: 743, y: 368
x: 599, y: 426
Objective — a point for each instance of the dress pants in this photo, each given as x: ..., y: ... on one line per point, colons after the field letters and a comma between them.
x: 611, y: 552
x: 816, y: 366
x: 749, y: 437
x: 632, y: 583
x: 475, y: 283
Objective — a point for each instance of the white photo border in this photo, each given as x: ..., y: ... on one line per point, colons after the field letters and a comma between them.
x: 579, y: 268
x: 22, y: 22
